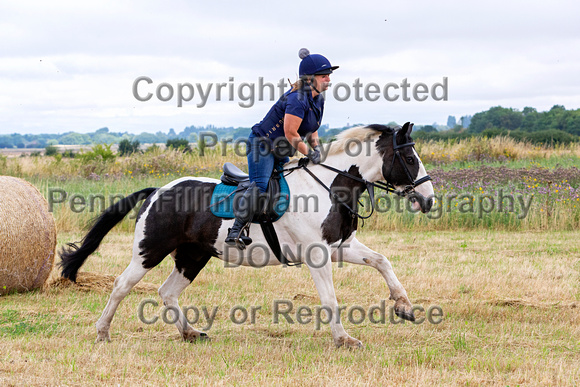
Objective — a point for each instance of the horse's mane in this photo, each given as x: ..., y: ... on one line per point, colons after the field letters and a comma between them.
x: 358, y: 134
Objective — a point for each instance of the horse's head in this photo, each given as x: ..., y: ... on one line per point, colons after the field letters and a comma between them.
x: 383, y: 153
x: 402, y: 167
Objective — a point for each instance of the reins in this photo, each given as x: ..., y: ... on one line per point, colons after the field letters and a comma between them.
x: 386, y: 186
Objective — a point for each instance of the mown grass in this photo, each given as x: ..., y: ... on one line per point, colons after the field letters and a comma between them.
x: 510, y: 303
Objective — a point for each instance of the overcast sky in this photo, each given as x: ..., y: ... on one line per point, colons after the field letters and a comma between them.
x: 71, y: 65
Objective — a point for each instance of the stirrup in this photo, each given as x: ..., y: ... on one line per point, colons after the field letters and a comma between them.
x: 241, y: 240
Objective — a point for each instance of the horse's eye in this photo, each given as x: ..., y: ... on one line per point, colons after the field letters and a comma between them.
x: 410, y: 160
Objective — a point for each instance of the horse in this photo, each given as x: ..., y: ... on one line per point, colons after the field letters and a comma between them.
x: 174, y: 220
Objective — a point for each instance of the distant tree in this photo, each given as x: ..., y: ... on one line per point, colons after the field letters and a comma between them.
x: 161, y: 137
x: 530, y: 120
x: 127, y: 147
x: 428, y: 129
x: 50, y: 150
x: 73, y: 138
x: 105, y: 138
x: 451, y: 122
x: 245, y: 132
x: 179, y: 144
x: 499, y: 117
x: 6, y: 142
x: 147, y: 138
x: 465, y: 121
x: 18, y: 140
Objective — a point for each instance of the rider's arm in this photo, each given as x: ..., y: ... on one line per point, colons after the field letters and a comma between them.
x: 313, y: 139
x: 291, y: 125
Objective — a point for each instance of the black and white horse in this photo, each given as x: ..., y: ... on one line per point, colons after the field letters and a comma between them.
x: 175, y: 220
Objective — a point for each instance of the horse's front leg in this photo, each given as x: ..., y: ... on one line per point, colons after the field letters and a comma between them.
x: 321, y: 270
x: 358, y: 253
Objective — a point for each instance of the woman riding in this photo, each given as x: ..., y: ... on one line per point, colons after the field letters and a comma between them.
x: 295, y: 116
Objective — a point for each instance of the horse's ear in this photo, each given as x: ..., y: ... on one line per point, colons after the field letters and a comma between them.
x: 407, y: 128
x: 404, y: 132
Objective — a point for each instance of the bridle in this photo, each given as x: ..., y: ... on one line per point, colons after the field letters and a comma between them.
x: 386, y: 186
x: 397, y: 156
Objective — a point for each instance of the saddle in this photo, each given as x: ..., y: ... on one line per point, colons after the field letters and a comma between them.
x: 271, y: 205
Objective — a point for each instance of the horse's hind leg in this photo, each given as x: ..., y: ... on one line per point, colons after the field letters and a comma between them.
x: 188, y: 264
x: 360, y: 254
x: 144, y: 259
x: 123, y: 285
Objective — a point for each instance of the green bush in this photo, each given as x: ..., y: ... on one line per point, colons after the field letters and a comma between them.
x: 98, y: 152
x: 50, y: 150
x: 153, y: 149
x: 69, y: 153
x: 551, y: 137
x: 179, y: 144
x: 127, y: 147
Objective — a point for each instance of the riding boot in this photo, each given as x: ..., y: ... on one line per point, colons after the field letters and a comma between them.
x: 236, y: 235
x: 244, y: 210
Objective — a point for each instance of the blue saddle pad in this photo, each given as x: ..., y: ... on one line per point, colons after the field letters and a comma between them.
x: 222, y: 200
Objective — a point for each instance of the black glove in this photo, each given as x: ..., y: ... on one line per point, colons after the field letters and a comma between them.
x: 314, y: 155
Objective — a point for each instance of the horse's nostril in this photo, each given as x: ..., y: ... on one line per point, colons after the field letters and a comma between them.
x: 428, y: 203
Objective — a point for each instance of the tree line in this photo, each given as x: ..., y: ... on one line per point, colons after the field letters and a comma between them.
x: 556, y: 125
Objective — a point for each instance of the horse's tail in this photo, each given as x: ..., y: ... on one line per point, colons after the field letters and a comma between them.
x: 73, y: 257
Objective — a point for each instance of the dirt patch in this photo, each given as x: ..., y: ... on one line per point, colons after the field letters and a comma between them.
x: 89, y: 282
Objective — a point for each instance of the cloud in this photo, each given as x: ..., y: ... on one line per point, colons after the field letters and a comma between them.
x: 68, y: 65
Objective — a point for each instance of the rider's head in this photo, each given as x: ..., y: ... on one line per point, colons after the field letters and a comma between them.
x: 315, y: 69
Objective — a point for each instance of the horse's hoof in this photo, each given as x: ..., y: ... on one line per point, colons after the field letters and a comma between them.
x: 404, y: 310
x: 103, y: 338
x: 349, y: 342
x: 203, y: 337
x: 196, y: 337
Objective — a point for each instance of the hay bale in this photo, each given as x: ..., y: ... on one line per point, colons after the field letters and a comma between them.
x: 27, y: 236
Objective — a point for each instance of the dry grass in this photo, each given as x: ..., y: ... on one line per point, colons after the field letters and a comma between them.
x: 162, y: 162
x: 490, y: 149
x: 510, y: 302
x: 157, y: 163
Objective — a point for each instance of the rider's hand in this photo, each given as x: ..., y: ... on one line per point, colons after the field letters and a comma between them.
x: 314, y: 155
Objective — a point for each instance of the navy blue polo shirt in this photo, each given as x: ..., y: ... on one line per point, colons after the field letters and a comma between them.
x: 298, y: 103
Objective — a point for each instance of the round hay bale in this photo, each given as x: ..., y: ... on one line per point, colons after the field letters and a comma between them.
x: 27, y: 236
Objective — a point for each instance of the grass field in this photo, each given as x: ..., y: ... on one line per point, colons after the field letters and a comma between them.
x: 509, y: 287
x: 510, y: 304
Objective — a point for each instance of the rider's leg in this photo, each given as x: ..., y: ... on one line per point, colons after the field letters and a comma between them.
x: 245, y: 206
x: 260, y: 161
x: 260, y: 166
